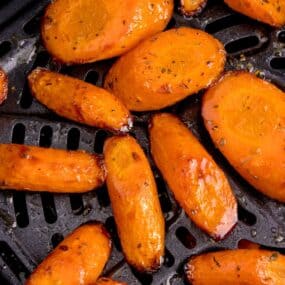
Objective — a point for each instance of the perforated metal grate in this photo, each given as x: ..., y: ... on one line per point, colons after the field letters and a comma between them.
x: 32, y: 223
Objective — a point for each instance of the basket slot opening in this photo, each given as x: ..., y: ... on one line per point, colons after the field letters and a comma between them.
x: 13, y: 261
x: 103, y: 197
x: 112, y: 228
x: 49, y: 208
x: 56, y: 239
x: 26, y: 97
x: 100, y: 138
x: 278, y: 63
x: 165, y: 202
x: 143, y: 278
x: 73, y: 138
x: 20, y: 208
x: 46, y: 136
x: 224, y: 23
x: 42, y: 59
x: 171, y: 24
x: 76, y: 203
x: 242, y: 44
x: 92, y: 77
x: 246, y: 217
x: 281, y: 37
x: 18, y: 135
x: 32, y: 27
x: 5, y: 47
x: 168, y: 258
x: 185, y: 237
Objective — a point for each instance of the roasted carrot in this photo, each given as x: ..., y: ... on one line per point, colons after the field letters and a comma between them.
x: 86, y: 30
x: 237, y: 267
x: 247, y: 244
x: 245, y: 118
x: 78, y: 259
x: 108, y: 281
x: 192, y: 7
x: 166, y: 68
x: 135, y: 203
x: 198, y: 184
x: 79, y: 101
x: 271, y: 12
x: 33, y: 168
x: 3, y: 86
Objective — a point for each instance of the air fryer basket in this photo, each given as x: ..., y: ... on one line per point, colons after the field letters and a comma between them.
x: 32, y: 223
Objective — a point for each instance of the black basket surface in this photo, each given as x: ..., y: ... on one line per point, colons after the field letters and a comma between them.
x: 31, y: 224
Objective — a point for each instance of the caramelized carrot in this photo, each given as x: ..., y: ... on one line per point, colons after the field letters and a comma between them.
x: 135, y: 203
x: 247, y: 244
x: 166, y: 68
x: 271, y: 12
x: 108, y: 281
x: 79, y: 101
x: 3, y: 86
x: 198, y: 184
x: 237, y: 267
x: 192, y: 7
x: 86, y: 30
x: 40, y: 169
x: 245, y: 118
x: 78, y: 259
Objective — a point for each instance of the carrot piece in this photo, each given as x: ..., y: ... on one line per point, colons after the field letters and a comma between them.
x: 79, y: 101
x: 192, y: 7
x: 40, y: 169
x: 271, y: 12
x: 3, y: 86
x: 78, y: 259
x: 245, y: 118
x: 108, y: 281
x: 237, y: 267
x: 135, y: 203
x: 247, y: 244
x: 198, y: 184
x: 86, y: 30
x: 166, y: 68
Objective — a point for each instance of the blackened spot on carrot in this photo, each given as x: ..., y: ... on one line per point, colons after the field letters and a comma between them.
x: 216, y: 261
x: 135, y: 156
x: 139, y: 245
x: 63, y: 247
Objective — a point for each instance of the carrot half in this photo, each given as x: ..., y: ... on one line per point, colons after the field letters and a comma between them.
x: 79, y: 101
x: 237, y: 267
x: 198, y: 184
x: 245, y: 118
x: 3, y: 86
x: 33, y: 168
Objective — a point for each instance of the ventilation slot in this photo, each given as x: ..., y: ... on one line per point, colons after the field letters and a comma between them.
x: 224, y: 23
x: 13, y: 262
x: 73, y: 138
x: 46, y: 136
x: 278, y: 63
x: 92, y: 77
x: 103, y: 197
x: 56, y: 239
x: 100, y: 138
x: 42, y: 59
x: 242, y: 45
x: 111, y: 226
x: 49, y: 208
x: 163, y: 196
x: 185, y: 237
x: 76, y: 204
x: 18, y: 135
x: 5, y: 47
x: 20, y: 208
x: 26, y: 98
x: 32, y: 27
x: 144, y: 279
x: 281, y: 37
x: 246, y: 217
x: 168, y: 258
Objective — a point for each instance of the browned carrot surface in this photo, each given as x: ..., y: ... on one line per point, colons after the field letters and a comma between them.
x: 271, y: 12
x: 245, y: 118
x: 166, y: 68
x: 192, y: 7
x: 246, y: 244
x: 108, y: 281
x: 198, y: 184
x: 135, y: 203
x: 3, y: 86
x: 87, y: 30
x: 78, y: 259
x: 237, y: 267
x: 40, y: 169
x: 79, y: 101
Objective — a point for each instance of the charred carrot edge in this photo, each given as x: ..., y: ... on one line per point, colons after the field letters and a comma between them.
x: 3, y: 86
